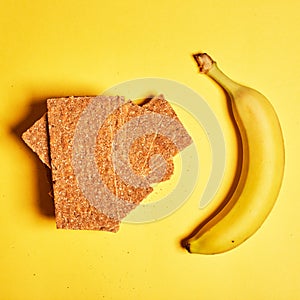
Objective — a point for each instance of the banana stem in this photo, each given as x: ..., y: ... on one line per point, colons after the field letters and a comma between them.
x: 209, y: 67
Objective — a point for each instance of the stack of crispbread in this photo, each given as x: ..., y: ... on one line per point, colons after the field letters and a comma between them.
x: 52, y: 138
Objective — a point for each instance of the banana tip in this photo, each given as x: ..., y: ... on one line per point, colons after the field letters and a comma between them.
x: 204, y: 62
x: 187, y: 247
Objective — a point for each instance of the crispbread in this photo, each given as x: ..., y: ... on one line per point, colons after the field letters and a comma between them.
x: 73, y: 210
x: 36, y: 137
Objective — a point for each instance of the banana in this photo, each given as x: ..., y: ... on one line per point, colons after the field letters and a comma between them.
x: 243, y: 211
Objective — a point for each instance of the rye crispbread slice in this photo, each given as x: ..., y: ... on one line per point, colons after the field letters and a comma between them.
x: 37, y: 138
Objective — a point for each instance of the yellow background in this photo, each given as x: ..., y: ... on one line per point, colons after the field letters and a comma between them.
x: 56, y: 48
